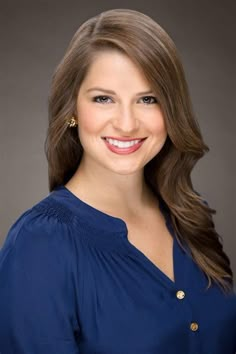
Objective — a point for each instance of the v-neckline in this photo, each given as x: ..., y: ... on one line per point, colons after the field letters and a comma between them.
x: 153, y: 267
x: 149, y: 263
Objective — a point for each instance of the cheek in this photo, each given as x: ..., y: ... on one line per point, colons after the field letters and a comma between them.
x: 89, y: 120
x: 157, y: 125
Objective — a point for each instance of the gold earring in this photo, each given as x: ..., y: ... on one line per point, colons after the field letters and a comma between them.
x: 72, y: 122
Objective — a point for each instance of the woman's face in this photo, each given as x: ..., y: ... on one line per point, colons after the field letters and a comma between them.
x: 115, y: 100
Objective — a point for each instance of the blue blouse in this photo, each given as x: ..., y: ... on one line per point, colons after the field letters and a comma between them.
x: 72, y: 283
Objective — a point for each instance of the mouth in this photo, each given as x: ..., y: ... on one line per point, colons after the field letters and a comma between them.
x: 122, y: 142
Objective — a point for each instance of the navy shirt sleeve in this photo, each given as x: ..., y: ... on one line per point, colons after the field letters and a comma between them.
x: 36, y: 282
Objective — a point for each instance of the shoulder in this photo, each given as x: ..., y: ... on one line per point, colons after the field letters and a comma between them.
x: 45, y: 230
x: 39, y: 274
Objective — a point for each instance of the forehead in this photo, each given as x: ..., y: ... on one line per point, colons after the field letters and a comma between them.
x: 112, y: 66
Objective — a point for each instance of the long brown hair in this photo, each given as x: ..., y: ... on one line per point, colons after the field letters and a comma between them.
x: 168, y: 174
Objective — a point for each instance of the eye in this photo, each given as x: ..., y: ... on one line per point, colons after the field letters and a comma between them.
x: 104, y: 99
x: 100, y: 99
x: 146, y: 99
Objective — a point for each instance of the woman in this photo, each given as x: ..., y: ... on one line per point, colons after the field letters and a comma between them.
x: 122, y: 256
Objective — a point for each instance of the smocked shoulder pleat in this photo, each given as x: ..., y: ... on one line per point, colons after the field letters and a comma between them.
x: 52, y: 208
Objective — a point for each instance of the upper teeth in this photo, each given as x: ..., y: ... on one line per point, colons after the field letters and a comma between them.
x: 122, y: 144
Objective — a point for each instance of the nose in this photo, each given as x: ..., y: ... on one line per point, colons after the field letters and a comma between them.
x: 126, y: 122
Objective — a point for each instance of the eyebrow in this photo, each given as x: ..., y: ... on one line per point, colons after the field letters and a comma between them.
x: 113, y: 92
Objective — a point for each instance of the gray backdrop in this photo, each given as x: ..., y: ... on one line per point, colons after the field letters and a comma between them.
x: 35, y: 35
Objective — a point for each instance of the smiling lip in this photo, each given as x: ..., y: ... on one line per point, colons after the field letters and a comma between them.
x: 124, y: 151
x: 122, y: 139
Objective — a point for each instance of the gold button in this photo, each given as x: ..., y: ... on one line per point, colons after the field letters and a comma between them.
x: 194, y: 326
x: 180, y: 294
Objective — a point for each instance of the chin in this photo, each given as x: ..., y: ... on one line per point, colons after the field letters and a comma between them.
x: 125, y: 170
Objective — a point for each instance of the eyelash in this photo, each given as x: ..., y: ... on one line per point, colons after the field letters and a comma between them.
x: 98, y: 97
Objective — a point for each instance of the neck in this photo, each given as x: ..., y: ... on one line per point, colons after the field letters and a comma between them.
x: 112, y: 192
